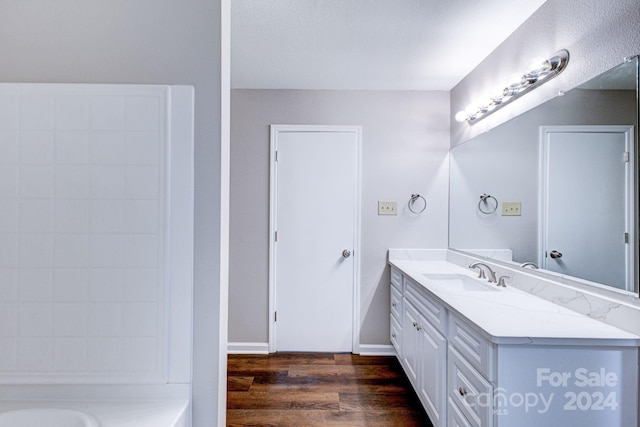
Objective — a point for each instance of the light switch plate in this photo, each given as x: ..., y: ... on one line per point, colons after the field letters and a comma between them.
x: 511, y: 208
x: 387, y: 208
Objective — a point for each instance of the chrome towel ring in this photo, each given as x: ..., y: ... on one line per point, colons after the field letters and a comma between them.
x: 415, y: 199
x: 487, y: 204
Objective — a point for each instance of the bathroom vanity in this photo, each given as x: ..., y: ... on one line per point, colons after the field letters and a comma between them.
x: 482, y: 355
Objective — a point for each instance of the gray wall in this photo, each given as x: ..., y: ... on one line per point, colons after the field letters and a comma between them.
x: 142, y: 41
x: 405, y: 138
x: 598, y: 35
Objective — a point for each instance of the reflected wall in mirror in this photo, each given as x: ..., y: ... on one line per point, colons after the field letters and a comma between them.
x: 564, y: 162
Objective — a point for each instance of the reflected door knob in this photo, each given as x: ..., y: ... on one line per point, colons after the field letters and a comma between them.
x: 346, y: 253
x: 555, y: 254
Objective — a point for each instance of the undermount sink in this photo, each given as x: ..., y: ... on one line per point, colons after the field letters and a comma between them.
x: 460, y: 282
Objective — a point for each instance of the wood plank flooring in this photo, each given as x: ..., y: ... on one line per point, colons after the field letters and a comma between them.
x: 318, y: 389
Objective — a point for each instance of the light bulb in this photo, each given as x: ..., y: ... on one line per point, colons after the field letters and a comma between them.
x: 538, y: 66
x: 461, y: 116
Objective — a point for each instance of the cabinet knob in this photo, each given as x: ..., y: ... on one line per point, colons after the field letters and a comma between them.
x: 393, y: 304
x: 418, y: 327
x: 415, y: 324
x: 393, y: 335
x: 462, y: 391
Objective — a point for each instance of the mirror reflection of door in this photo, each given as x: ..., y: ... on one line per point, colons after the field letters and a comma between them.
x: 587, y: 203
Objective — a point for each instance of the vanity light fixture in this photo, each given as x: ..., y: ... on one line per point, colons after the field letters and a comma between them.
x: 539, y: 72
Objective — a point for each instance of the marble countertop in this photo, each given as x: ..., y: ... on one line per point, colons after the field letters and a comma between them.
x: 511, y: 316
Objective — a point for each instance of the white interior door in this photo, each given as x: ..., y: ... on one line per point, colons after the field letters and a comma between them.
x: 588, y: 203
x: 315, y: 234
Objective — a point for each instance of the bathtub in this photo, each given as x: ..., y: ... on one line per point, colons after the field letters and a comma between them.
x: 94, y: 414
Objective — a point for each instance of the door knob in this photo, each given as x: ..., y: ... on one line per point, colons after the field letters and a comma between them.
x: 555, y: 254
x: 346, y: 253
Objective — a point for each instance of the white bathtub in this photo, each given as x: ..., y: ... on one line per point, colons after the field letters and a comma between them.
x: 171, y: 413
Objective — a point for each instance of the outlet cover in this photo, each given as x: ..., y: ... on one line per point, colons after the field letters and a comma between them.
x: 511, y: 209
x: 387, y: 208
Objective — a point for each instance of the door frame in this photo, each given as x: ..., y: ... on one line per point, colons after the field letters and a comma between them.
x: 631, y: 211
x: 275, y: 130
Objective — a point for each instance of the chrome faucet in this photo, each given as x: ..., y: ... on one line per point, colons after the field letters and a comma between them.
x: 490, y: 272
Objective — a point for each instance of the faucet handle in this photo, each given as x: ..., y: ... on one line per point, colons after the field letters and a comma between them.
x: 481, y: 274
x: 501, y: 281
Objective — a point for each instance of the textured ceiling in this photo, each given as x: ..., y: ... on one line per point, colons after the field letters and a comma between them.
x: 366, y: 44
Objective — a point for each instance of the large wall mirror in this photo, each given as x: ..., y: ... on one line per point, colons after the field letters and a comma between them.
x: 556, y: 187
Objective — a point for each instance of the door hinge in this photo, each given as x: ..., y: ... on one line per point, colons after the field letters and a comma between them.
x: 626, y: 237
x: 626, y: 157
x: 276, y: 236
x: 275, y: 316
x: 276, y: 156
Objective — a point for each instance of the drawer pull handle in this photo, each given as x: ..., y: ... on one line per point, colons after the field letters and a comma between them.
x: 462, y: 391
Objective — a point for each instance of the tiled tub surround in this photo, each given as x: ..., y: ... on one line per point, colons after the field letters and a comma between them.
x: 95, y: 235
x: 502, y: 344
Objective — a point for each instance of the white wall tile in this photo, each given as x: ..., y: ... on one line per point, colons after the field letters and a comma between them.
x: 8, y: 215
x: 34, y: 320
x: 36, y: 181
x: 71, y: 112
x: 8, y: 320
x: 105, y: 284
x: 70, y: 354
x: 72, y: 181
x: 35, y: 285
x: 139, y: 354
x: 36, y: 112
x: 36, y: 216
x: 34, y: 354
x: 8, y: 111
x: 71, y: 147
x: 105, y: 320
x: 140, y: 285
x: 71, y: 216
x: 107, y: 147
x: 8, y: 284
x: 107, y: 112
x: 107, y: 182
x: 105, y: 354
x: 142, y: 113
x: 36, y: 146
x: 142, y: 148
x: 71, y: 251
x: 140, y: 319
x: 9, y: 250
x: 141, y: 250
x: 70, y: 285
x: 141, y: 216
x: 70, y: 320
x: 36, y: 250
x: 107, y: 216
x: 142, y: 182
x: 8, y: 354
x: 8, y: 146
x: 8, y: 181
x: 107, y: 250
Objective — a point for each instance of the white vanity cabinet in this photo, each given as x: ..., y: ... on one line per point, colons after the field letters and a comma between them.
x: 424, y: 349
x: 472, y: 368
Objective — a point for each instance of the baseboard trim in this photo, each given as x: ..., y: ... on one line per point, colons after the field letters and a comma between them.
x: 377, y: 350
x: 248, y: 348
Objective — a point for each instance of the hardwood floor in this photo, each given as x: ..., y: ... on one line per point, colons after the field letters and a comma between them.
x: 317, y: 389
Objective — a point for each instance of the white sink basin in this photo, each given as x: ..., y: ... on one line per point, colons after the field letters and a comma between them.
x: 460, y: 282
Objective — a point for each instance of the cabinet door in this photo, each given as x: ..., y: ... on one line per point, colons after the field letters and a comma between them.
x: 432, y: 371
x: 410, y: 355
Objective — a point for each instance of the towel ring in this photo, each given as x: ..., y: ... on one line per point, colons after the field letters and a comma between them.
x: 485, y: 207
x: 414, y: 198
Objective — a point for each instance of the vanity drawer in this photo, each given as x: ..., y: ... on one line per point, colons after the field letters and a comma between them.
x: 431, y: 309
x: 455, y: 417
x: 469, y: 391
x: 471, y: 345
x: 396, y: 303
x: 396, y: 278
x: 396, y: 336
